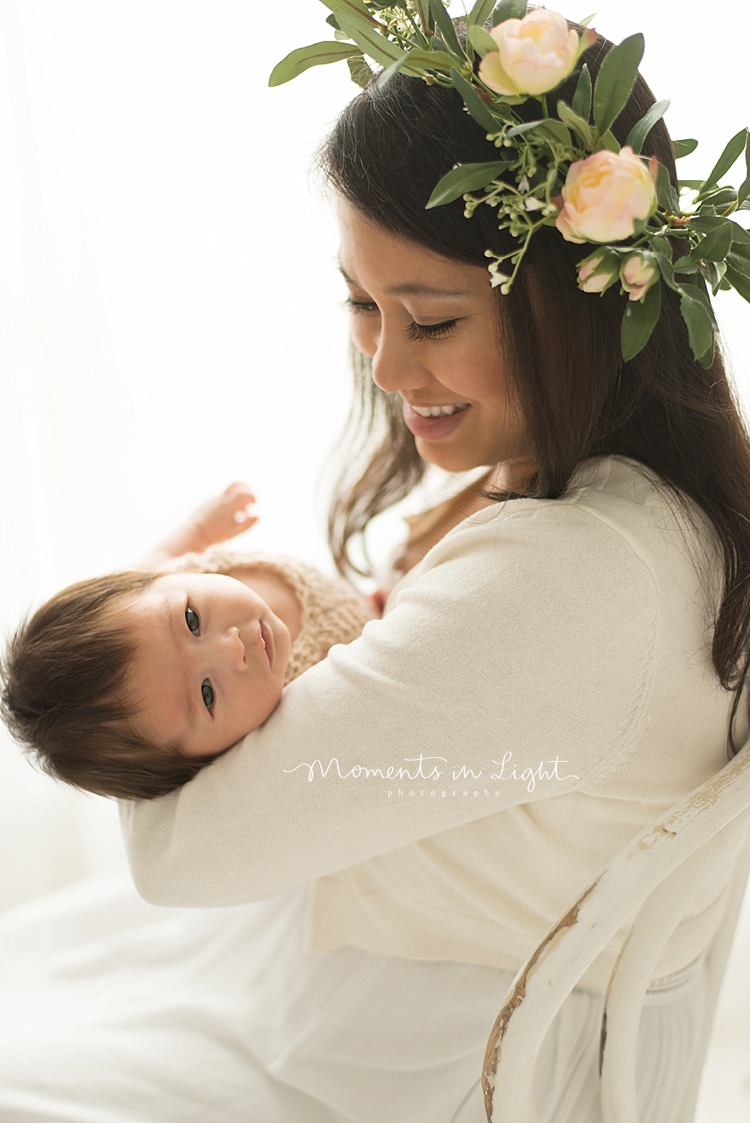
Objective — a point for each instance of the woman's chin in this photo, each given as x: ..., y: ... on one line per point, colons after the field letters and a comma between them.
x: 449, y: 459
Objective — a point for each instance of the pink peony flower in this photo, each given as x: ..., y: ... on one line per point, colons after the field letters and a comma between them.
x: 605, y: 194
x: 535, y: 54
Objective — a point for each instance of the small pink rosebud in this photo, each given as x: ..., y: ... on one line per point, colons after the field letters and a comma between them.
x: 598, y: 272
x: 638, y: 273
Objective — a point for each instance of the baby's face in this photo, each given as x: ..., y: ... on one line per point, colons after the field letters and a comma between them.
x: 209, y: 663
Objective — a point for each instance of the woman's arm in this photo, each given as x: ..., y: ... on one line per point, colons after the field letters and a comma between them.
x: 525, y: 639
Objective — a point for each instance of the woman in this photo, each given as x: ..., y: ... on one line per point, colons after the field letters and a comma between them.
x: 552, y: 673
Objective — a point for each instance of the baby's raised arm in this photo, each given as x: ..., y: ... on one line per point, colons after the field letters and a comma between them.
x: 219, y: 518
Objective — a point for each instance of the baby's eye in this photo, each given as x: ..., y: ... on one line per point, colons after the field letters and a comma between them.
x: 207, y: 692
x: 192, y: 619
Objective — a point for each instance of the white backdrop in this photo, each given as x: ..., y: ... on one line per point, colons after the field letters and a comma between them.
x: 169, y: 305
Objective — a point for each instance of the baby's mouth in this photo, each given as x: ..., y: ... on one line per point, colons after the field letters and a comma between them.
x: 266, y: 638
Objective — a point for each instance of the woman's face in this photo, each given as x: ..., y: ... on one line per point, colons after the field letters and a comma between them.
x: 430, y: 326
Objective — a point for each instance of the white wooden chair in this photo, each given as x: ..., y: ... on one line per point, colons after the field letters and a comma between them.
x: 652, y: 879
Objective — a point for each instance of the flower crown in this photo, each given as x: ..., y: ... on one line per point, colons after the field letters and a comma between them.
x: 569, y: 170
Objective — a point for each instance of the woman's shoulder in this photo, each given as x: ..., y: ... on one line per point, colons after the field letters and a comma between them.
x: 616, y: 514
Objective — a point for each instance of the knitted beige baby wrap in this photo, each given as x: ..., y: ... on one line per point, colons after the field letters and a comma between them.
x: 331, y: 610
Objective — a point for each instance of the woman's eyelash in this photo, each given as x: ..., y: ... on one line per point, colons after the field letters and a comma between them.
x: 360, y: 306
x: 430, y: 331
x: 193, y: 621
x: 415, y: 331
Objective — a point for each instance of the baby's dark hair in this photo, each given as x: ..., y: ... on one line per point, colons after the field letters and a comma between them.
x: 63, y: 695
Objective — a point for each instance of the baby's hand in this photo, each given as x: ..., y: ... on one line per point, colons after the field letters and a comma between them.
x: 217, y: 519
x: 223, y: 517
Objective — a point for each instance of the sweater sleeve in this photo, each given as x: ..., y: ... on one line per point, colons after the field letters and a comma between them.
x: 524, y: 638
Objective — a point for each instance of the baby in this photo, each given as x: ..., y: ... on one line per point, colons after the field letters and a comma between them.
x: 127, y: 685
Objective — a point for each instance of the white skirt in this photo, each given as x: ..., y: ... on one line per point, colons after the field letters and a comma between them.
x: 115, y: 1011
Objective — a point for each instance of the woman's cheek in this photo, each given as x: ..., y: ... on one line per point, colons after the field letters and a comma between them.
x: 365, y: 336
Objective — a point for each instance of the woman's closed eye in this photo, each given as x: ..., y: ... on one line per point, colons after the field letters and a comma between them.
x: 193, y: 620
x: 415, y: 331
x: 418, y: 332
x: 208, y: 694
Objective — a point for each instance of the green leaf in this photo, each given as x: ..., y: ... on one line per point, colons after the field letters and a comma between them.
x: 418, y: 62
x: 740, y: 235
x: 683, y: 148
x: 581, y: 103
x: 721, y: 197
x: 557, y: 131
x: 476, y: 107
x: 738, y: 281
x: 360, y: 72
x: 665, y: 192
x: 480, y: 13
x: 577, y: 123
x: 699, y: 323
x: 642, y: 128
x: 733, y: 150
x: 368, y: 39
x: 639, y: 321
x: 390, y: 71
x: 615, y: 81
x: 706, y: 223
x: 357, y: 6
x: 481, y: 41
x: 714, y: 246
x: 686, y: 265
x: 700, y: 328
x: 744, y: 190
x: 524, y: 127
x: 713, y: 273
x: 508, y: 9
x: 660, y: 246
x: 740, y: 262
x: 303, y: 58
x: 466, y: 177
x: 610, y: 141
x: 331, y: 21
x: 445, y: 24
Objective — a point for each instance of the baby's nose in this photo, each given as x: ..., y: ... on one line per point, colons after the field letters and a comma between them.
x: 234, y: 648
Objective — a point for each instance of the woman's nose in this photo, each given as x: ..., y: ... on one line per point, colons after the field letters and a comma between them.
x: 395, y: 366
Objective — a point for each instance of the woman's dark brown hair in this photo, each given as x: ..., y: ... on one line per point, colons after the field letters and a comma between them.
x: 63, y: 698
x: 385, y: 155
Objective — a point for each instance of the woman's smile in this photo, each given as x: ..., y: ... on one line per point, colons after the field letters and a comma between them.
x: 433, y: 422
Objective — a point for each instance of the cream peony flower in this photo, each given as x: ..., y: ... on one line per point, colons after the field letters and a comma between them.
x: 535, y: 54
x: 638, y: 273
x: 605, y: 194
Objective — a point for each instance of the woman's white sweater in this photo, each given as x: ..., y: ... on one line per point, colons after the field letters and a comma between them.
x: 539, y: 690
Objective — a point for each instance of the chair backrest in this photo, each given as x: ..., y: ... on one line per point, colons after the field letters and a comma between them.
x: 652, y: 879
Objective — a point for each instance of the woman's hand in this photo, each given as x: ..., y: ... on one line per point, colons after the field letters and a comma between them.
x: 219, y: 518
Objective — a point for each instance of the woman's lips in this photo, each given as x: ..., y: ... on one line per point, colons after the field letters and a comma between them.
x: 432, y: 428
x: 266, y: 638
